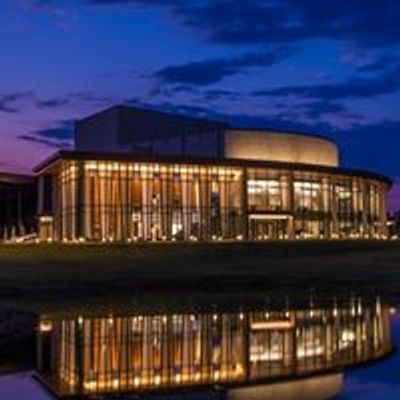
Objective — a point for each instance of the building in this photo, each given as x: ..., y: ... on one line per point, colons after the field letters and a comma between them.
x: 394, y: 225
x: 17, y: 205
x: 80, y: 356
x: 203, y: 180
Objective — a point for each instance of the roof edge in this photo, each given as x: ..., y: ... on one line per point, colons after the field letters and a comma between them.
x: 99, y: 156
x: 285, y: 131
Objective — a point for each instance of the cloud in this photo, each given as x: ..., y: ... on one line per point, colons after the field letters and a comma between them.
x: 217, y: 94
x: 280, y: 120
x: 211, y: 71
x: 381, y: 63
x: 63, y: 131
x: 72, y: 99
x: 9, y: 102
x: 386, y: 83
x: 52, y: 103
x: 47, y: 142
x: 365, y: 22
x: 317, y: 109
x: 58, y: 136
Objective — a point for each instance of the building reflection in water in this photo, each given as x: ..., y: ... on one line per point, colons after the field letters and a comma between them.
x: 140, y: 353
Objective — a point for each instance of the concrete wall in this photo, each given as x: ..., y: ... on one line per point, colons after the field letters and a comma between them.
x: 99, y: 132
x: 318, y: 388
x: 122, y: 128
x: 284, y: 147
x: 196, y: 145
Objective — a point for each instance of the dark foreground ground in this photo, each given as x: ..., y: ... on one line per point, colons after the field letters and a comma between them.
x: 67, y: 271
x: 58, y: 278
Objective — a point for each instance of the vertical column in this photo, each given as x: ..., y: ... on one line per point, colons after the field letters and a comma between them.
x: 56, y: 206
x: 328, y: 343
x: 185, y: 205
x: 288, y: 202
x: 40, y: 194
x: 79, y: 354
x: 355, y: 220
x: 225, y: 206
x: 125, y: 203
x: 80, y: 200
x: 20, y: 223
x: 204, y: 204
x: 146, y: 350
x: 244, y: 208
x: 288, y: 349
x: 89, y: 206
x: 246, y: 332
x: 334, y: 209
x: 365, y: 209
x: 326, y: 207
x: 383, y: 229
x: 168, y: 203
x: 285, y: 184
x: 186, y: 357
x: 146, y: 204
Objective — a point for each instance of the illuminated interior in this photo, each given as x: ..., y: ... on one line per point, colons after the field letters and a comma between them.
x: 151, y: 352
x: 153, y: 201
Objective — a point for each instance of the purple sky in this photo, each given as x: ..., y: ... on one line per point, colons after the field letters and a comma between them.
x: 328, y: 67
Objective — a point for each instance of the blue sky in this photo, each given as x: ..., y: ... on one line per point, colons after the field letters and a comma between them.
x: 328, y: 67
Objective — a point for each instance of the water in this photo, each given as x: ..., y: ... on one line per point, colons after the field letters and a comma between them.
x: 377, y: 381
x: 22, y: 386
x: 264, y: 349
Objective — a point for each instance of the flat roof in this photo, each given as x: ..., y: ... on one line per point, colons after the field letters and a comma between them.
x: 13, y: 178
x: 220, y: 123
x: 149, y: 110
x: 130, y: 157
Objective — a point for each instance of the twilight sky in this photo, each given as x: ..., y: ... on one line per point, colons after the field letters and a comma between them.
x: 328, y: 67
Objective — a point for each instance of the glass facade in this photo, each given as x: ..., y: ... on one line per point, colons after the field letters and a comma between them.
x: 155, y: 201
x: 139, y: 352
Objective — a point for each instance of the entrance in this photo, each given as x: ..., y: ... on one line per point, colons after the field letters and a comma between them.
x: 269, y: 227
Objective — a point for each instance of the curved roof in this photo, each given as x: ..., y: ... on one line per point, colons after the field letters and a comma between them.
x: 270, y: 145
x: 288, y: 131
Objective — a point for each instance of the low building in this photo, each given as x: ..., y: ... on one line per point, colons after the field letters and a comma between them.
x: 203, y: 181
x: 17, y: 205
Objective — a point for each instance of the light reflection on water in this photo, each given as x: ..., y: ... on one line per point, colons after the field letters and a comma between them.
x: 22, y: 386
x: 261, y: 341
x: 136, y: 352
x: 377, y: 381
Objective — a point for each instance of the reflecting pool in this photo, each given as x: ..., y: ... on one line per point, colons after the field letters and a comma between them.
x: 240, y: 352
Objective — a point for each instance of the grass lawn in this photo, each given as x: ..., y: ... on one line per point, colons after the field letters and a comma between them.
x: 65, y: 270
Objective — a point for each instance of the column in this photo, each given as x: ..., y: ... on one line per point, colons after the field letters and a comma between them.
x: 146, y: 205
x: 365, y: 210
x: 326, y: 207
x: 56, y: 207
x: 334, y: 210
x: 185, y: 205
x: 383, y: 229
x: 244, y: 208
x: 40, y: 193
x: 288, y: 202
x: 80, y: 201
